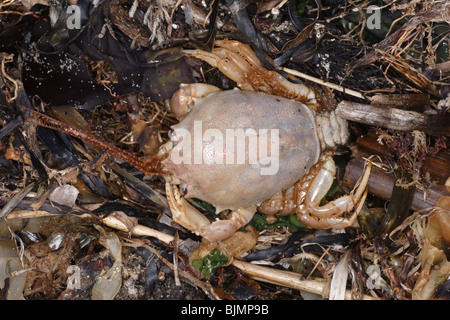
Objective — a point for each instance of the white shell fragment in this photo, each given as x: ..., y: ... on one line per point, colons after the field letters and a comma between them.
x: 65, y: 195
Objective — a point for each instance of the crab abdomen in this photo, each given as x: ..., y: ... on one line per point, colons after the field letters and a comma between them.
x: 237, y: 148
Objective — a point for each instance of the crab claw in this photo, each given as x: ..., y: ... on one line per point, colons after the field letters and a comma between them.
x: 186, y: 215
x: 184, y: 97
x: 223, y: 229
x: 183, y: 212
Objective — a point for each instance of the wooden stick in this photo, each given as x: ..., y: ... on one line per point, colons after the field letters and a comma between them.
x: 324, y: 83
x: 287, y: 279
x: 110, y: 221
x: 396, y: 119
x: 261, y: 273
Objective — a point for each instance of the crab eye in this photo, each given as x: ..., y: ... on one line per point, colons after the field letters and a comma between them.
x: 183, y: 188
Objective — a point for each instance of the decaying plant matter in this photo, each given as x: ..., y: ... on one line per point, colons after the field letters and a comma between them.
x: 69, y: 202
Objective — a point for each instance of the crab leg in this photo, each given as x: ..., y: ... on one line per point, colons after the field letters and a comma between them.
x: 332, y: 222
x: 238, y: 62
x: 229, y: 63
x: 281, y: 203
x: 330, y: 215
x: 308, y: 192
x: 320, y: 186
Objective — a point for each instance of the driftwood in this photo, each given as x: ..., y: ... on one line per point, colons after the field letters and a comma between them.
x: 393, y: 118
x: 381, y: 184
x: 413, y: 102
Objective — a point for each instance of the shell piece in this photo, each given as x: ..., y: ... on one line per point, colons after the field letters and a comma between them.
x: 281, y: 145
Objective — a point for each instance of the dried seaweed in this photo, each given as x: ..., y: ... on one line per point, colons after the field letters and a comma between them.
x: 118, y: 80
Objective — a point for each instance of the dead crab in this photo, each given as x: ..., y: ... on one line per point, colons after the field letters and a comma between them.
x: 306, y: 169
x: 291, y: 173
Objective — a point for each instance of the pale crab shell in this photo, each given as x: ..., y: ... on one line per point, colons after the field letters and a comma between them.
x: 234, y: 186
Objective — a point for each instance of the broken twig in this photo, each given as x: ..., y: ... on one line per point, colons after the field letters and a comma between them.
x: 393, y: 118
